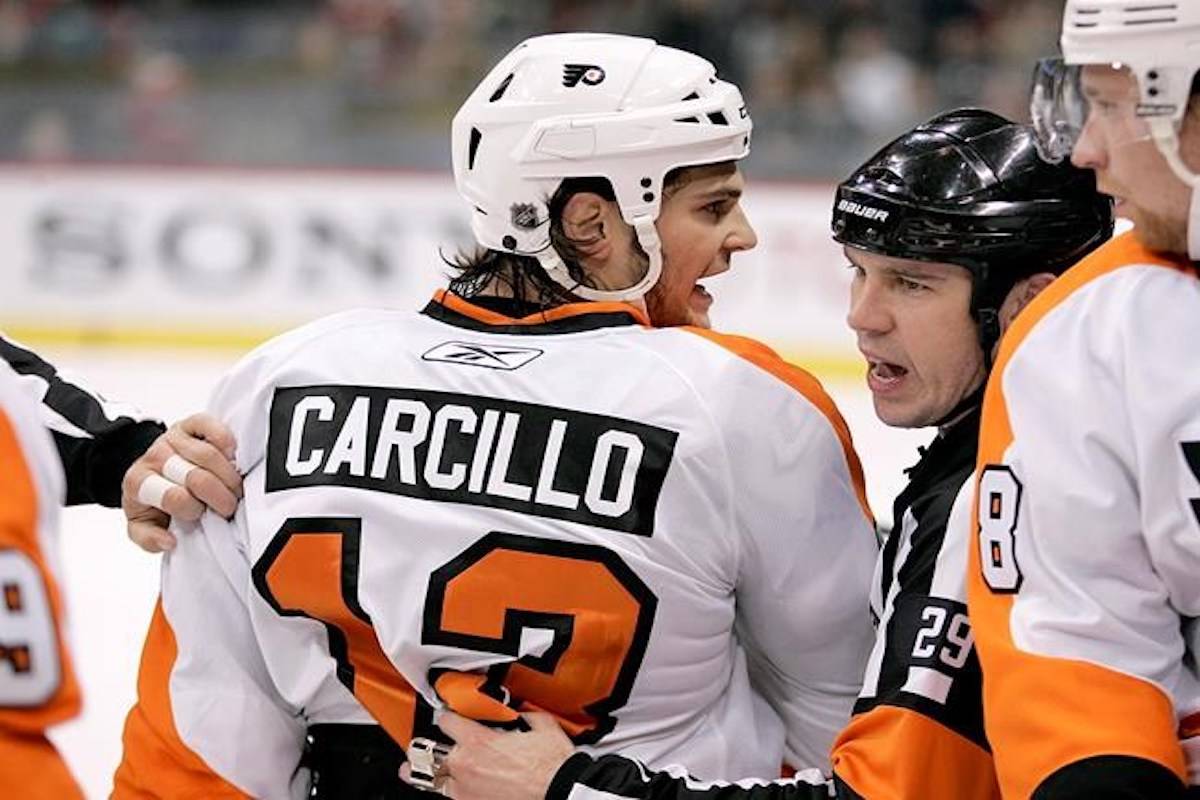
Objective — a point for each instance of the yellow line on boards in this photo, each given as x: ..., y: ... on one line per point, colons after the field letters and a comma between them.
x: 141, y: 338
x: 828, y: 366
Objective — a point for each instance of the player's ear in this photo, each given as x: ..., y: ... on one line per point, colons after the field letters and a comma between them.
x: 1020, y: 296
x: 586, y: 222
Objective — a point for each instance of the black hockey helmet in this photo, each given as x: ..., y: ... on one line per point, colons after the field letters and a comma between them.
x: 968, y: 188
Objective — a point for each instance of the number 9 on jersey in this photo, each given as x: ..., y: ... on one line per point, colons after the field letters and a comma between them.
x: 29, y: 665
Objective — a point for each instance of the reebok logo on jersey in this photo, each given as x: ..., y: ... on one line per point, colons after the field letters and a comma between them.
x: 588, y: 74
x: 482, y: 355
x: 859, y: 210
x: 551, y: 462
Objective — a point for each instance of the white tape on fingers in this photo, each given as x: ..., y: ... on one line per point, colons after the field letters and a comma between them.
x: 153, y: 489
x: 177, y: 468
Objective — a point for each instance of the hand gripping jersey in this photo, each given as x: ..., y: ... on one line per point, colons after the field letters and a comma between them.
x: 643, y: 531
x: 1084, y: 583
x: 37, y: 683
x: 97, y: 439
x: 917, y: 730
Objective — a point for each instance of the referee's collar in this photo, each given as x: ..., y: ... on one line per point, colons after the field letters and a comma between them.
x: 571, y: 318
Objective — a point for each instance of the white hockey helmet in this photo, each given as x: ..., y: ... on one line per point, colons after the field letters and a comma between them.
x: 1159, y: 42
x: 588, y: 105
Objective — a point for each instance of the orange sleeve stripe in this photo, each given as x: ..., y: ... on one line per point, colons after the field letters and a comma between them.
x: 893, y: 753
x: 1069, y: 711
x: 19, y: 519
x: 30, y: 768
x: 767, y: 359
x: 156, y: 762
x: 1044, y: 713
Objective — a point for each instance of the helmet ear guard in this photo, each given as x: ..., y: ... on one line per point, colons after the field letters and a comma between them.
x: 620, y: 108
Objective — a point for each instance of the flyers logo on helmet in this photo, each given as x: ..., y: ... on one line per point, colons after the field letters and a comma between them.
x: 588, y: 74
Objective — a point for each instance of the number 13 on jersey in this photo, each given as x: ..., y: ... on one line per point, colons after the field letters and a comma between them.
x: 595, y: 613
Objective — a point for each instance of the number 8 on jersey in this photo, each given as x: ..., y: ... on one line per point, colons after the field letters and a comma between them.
x: 999, y: 505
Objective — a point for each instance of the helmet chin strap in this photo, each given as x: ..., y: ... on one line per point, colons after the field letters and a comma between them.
x: 987, y: 323
x: 1194, y: 226
x: 1167, y: 140
x: 647, y: 236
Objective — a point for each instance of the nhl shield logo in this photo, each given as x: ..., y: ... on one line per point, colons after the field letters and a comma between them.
x: 524, y: 216
x: 587, y: 74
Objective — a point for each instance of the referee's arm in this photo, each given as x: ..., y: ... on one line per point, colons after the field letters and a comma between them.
x: 97, y: 439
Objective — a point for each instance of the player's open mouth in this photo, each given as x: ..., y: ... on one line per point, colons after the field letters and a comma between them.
x: 883, y: 376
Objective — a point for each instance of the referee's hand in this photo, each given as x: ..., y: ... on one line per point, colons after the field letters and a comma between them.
x: 187, y: 469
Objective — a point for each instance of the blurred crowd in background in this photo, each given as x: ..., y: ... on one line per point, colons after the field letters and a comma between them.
x: 373, y: 83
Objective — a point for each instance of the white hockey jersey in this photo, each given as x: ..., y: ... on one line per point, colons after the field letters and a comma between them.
x: 643, y: 531
x: 38, y: 687
x: 1084, y: 584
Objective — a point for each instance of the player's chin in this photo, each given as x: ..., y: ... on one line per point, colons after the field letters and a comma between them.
x: 896, y: 413
x: 698, y: 305
x: 1157, y: 233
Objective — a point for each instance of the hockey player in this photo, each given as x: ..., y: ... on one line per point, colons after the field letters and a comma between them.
x: 1085, y: 581
x: 100, y: 442
x: 37, y: 683
x: 950, y: 230
x: 553, y: 488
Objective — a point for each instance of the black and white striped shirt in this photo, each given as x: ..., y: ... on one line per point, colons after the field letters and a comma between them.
x: 97, y: 439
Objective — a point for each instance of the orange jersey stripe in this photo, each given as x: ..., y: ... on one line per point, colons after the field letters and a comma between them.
x: 1123, y: 251
x: 764, y: 357
x: 19, y: 520
x: 156, y: 762
x: 469, y: 309
x: 892, y: 753
x: 1044, y: 713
